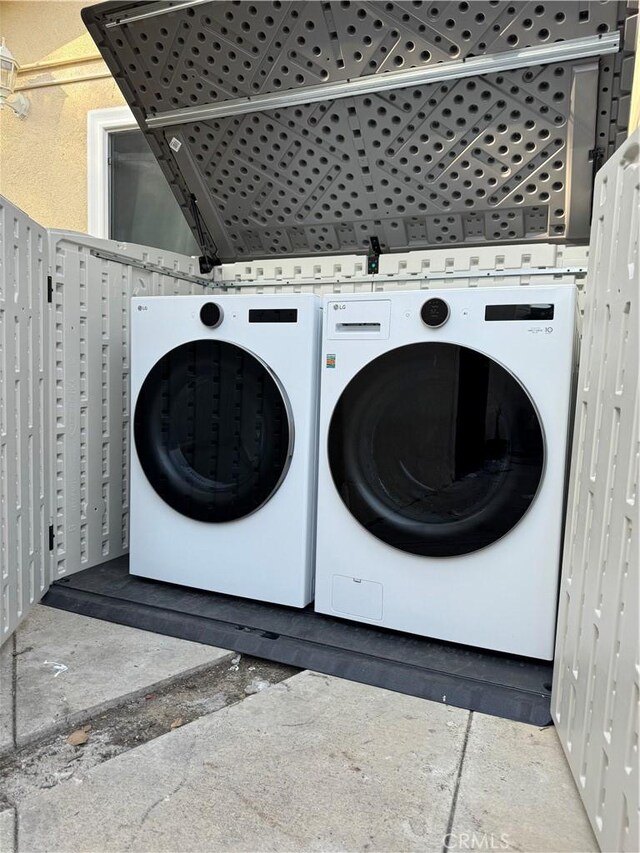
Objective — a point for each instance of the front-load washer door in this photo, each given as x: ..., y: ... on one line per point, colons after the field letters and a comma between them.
x: 213, y: 431
x: 436, y: 449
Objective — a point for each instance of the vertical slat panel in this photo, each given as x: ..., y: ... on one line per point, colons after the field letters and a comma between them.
x: 115, y: 447
x: 24, y: 504
x: 70, y: 375
x: 90, y: 397
x: 596, y: 688
x: 400, y: 265
x: 97, y: 321
x: 409, y: 270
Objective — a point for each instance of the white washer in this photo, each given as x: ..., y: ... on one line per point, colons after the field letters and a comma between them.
x: 223, y: 444
x: 443, y: 441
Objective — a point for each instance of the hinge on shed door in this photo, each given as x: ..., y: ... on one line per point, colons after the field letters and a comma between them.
x: 206, y: 263
x: 49, y: 289
x: 52, y: 537
x: 373, y: 256
x: 596, y: 156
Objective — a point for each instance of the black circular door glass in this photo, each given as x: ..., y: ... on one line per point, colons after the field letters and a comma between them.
x: 436, y: 449
x: 212, y: 431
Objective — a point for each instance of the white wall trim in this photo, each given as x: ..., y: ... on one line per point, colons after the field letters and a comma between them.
x: 100, y: 123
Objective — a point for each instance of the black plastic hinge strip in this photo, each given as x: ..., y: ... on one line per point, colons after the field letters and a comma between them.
x: 52, y: 537
x: 49, y: 289
x: 596, y: 158
x: 373, y: 256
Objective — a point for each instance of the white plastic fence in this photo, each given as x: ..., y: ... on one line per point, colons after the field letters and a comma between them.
x: 463, y: 267
x: 596, y: 696
x: 93, y: 282
x: 24, y: 548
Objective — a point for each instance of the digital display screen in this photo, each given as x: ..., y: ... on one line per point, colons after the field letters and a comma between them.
x: 273, y: 315
x: 519, y: 312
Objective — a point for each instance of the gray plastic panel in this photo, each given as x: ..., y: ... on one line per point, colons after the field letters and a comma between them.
x: 24, y: 416
x: 502, y: 157
x: 227, y: 50
x: 90, y: 388
x: 596, y: 686
x: 428, y: 166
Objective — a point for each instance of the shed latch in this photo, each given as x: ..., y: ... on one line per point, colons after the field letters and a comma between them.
x: 373, y: 257
x: 49, y: 289
x: 51, y: 537
x: 596, y: 156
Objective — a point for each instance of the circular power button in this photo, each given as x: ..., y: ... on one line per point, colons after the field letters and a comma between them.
x: 211, y: 314
x: 434, y: 313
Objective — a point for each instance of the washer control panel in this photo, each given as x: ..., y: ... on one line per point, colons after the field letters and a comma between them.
x: 435, y: 313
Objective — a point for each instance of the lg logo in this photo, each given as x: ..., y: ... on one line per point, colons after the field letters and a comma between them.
x: 143, y: 307
x: 339, y: 306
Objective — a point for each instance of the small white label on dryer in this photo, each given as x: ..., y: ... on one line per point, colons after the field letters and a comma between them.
x: 175, y: 144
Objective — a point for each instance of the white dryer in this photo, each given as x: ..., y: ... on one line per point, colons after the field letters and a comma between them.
x: 443, y: 442
x: 223, y: 443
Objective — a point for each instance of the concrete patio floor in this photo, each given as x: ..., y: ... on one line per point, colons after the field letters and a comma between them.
x: 189, y: 748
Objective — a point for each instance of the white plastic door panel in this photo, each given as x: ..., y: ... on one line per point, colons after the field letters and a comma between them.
x: 24, y: 419
x: 92, y: 285
x: 596, y: 684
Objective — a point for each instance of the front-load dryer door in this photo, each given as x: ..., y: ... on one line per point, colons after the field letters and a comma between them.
x: 436, y: 449
x: 213, y: 431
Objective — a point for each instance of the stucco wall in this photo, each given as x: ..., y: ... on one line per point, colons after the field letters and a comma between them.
x: 43, y: 158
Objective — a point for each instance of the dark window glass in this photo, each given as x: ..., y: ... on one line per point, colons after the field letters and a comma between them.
x: 436, y: 449
x: 212, y: 431
x: 142, y: 207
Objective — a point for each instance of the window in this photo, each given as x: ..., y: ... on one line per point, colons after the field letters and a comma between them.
x: 129, y: 198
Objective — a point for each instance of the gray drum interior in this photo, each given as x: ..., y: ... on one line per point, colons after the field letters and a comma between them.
x: 505, y: 156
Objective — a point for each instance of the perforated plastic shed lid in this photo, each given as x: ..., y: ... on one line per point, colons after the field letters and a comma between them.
x: 299, y: 128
